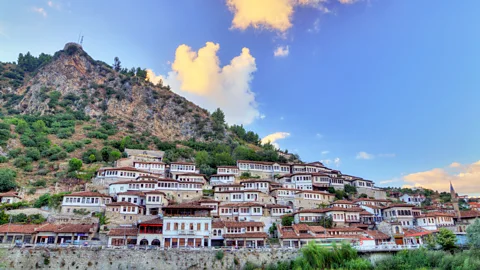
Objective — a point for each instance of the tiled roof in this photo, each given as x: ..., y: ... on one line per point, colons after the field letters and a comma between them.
x: 132, y: 193
x: 317, y: 229
x: 316, y: 192
x: 345, y: 229
x: 218, y: 224
x: 246, y: 235
x: 86, y: 194
x: 469, y: 214
x: 121, y: 204
x: 134, y: 182
x: 49, y: 227
x: 131, y: 169
x: 152, y: 221
x: 225, y: 174
x: 229, y: 185
x: 149, y: 162
x: 123, y: 232
x: 400, y: 205
x: 10, y: 193
x: 243, y: 204
x: 75, y: 228
x: 154, y: 192
x: 365, y: 213
x: 255, y: 181
x: 187, y: 206
x: 342, y: 202
x: 183, y: 163
x: 418, y: 231
x: 243, y: 224
x: 18, y: 228
x: 377, y: 235
x: 229, y: 167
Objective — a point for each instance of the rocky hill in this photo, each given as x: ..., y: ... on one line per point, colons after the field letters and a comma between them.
x: 55, y: 109
x: 72, y: 80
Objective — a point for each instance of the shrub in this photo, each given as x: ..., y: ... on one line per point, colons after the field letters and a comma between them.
x: 14, y: 153
x: 219, y: 255
x: 3, y: 159
x: 32, y: 191
x: 7, y: 179
x: 40, y: 183
x: 74, y: 164
x: 21, y: 162
x: 32, y: 153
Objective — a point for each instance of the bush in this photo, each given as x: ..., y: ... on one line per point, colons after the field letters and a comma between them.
x: 14, y: 153
x: 32, y: 153
x: 7, y: 180
x: 21, y: 162
x: 74, y: 164
x: 219, y: 255
x: 3, y: 159
x: 40, y: 183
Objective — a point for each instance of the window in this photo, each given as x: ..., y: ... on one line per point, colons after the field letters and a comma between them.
x: 198, y: 227
x: 206, y: 226
x: 168, y: 227
x: 175, y: 226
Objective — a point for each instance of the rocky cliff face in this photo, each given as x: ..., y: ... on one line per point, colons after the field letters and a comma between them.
x: 74, y: 81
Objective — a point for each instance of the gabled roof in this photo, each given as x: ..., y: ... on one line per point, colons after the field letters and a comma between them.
x: 132, y: 193
x: 18, y: 228
x: 377, y: 235
x: 75, y: 228
x: 243, y: 224
x: 87, y: 194
x: 122, y: 204
x: 154, y: 221
x: 123, y: 232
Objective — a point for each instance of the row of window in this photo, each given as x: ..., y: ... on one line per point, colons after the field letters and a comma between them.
x: 150, y: 166
x: 181, y: 167
x: 85, y: 200
x: 186, y: 226
x: 243, y: 210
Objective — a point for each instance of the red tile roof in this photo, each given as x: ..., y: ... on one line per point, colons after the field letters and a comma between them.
x: 152, y: 221
x: 49, y: 227
x: 19, y: 228
x: 132, y: 193
x: 121, y: 204
x: 86, y: 194
x: 123, y: 232
x: 377, y: 235
x: 243, y: 224
x: 246, y: 235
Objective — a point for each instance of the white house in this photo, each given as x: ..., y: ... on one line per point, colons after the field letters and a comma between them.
x: 107, y: 176
x: 187, y: 225
x: 157, y: 168
x: 266, y: 170
x: 228, y: 170
x: 92, y: 202
x: 401, y: 213
x: 181, y: 168
x: 10, y: 197
x: 415, y: 199
x: 222, y: 179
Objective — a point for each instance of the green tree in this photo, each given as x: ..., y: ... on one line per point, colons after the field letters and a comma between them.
x: 363, y: 195
x: 287, y: 220
x: 218, y: 127
x: 33, y: 153
x: 446, y: 239
x: 22, y: 127
x: 272, y: 228
x: 4, y: 218
x: 349, y: 189
x: 7, y: 179
x: 473, y: 234
x: 202, y: 158
x: 39, y: 126
x: 114, y: 155
x: 74, y: 164
x: 141, y: 73
x: 117, y: 65
x: 42, y: 201
x: 223, y: 159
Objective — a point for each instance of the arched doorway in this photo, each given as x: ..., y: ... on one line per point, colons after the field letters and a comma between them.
x: 143, y: 242
x: 156, y: 242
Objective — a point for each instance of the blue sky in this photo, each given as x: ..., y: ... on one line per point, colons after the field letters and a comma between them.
x: 396, y: 80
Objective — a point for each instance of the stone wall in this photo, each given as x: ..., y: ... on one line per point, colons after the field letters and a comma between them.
x: 16, y: 258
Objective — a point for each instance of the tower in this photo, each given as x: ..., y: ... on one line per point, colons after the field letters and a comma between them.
x: 455, y: 201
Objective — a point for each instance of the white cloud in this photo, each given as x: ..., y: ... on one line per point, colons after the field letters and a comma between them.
x: 199, y: 77
x: 388, y: 181
x: 262, y: 116
x: 272, y: 138
x: 315, y: 27
x: 40, y: 11
x: 326, y: 161
x: 455, y: 165
x: 319, y: 135
x: 54, y: 5
x: 364, y: 155
x: 281, y: 51
x: 275, y: 15
x: 464, y: 177
x: 325, y: 152
x: 337, y: 162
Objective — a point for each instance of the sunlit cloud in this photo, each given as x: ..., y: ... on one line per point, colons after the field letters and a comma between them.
x: 337, y: 162
x: 199, y: 77
x: 281, y: 51
x: 40, y: 11
x: 325, y: 152
x: 274, y: 137
x: 274, y: 15
x: 465, y: 180
x: 364, y: 155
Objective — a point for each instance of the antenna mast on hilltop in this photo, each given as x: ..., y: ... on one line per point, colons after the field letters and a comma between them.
x: 80, y: 38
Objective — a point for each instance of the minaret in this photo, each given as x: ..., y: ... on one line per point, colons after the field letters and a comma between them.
x: 455, y: 201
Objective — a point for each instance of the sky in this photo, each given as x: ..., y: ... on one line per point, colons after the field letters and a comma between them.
x: 382, y: 89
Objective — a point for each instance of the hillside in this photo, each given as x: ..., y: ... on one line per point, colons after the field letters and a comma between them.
x: 55, y: 108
